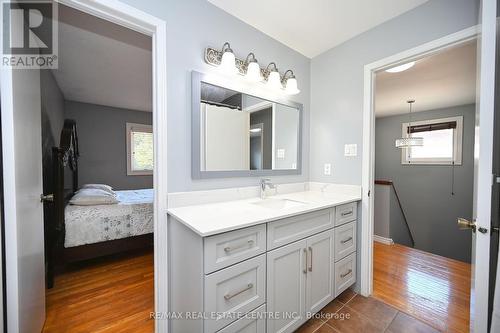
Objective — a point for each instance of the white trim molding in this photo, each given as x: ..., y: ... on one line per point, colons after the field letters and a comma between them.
x: 135, y: 19
x: 383, y: 240
x: 368, y: 158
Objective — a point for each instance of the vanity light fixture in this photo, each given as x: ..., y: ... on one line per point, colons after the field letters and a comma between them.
x: 228, y: 60
x: 401, y: 68
x: 225, y: 60
x: 252, y: 68
x: 274, y: 77
x: 290, y: 83
x: 409, y: 141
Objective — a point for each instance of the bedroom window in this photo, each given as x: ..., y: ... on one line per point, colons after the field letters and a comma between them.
x: 442, y: 142
x: 139, y: 149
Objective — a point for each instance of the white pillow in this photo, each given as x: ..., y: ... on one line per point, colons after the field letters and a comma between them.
x: 92, y: 196
x: 103, y: 187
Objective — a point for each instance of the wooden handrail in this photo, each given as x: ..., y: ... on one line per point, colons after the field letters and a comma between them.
x: 391, y: 183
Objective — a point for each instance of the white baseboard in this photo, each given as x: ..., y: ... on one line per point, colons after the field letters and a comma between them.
x: 383, y: 240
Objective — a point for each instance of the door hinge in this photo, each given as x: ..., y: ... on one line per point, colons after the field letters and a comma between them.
x: 369, y: 192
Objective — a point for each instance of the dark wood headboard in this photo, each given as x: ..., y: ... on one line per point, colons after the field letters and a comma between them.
x: 65, y: 178
x: 65, y: 159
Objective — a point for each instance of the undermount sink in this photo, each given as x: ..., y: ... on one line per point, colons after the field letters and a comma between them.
x: 278, y: 203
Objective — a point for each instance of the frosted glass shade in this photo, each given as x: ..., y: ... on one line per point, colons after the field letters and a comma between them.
x: 228, y: 63
x: 253, y: 72
x: 291, y: 86
x: 409, y: 142
x: 274, y: 80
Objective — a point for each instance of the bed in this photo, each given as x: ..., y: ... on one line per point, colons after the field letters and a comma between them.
x: 74, y: 233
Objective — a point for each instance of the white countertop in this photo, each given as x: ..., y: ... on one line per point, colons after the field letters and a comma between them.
x: 215, y: 218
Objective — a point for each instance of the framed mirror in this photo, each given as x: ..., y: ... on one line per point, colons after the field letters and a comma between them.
x: 236, y: 133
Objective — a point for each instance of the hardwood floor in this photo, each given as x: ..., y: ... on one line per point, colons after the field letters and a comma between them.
x: 428, y: 287
x: 115, y: 294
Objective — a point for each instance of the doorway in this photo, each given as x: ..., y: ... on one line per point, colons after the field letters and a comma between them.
x: 18, y: 300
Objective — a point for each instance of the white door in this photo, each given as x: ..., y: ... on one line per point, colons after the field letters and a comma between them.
x: 226, y: 138
x: 22, y: 171
x: 286, y: 287
x: 483, y: 164
x: 320, y: 266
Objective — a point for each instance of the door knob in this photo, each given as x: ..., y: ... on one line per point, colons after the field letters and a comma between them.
x: 46, y: 197
x: 464, y: 224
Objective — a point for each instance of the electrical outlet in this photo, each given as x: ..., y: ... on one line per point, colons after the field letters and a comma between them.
x: 328, y: 169
x: 281, y: 153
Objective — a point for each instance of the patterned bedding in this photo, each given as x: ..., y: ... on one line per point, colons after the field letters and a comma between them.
x: 132, y: 216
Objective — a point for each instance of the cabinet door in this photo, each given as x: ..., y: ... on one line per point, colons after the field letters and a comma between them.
x: 320, y: 266
x: 286, y: 287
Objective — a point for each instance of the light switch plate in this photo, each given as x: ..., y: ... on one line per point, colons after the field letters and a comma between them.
x: 328, y: 169
x: 281, y: 153
x: 351, y: 149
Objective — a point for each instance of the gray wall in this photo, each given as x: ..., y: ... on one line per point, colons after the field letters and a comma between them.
x: 103, y: 145
x: 425, y: 190
x: 337, y: 80
x: 192, y: 25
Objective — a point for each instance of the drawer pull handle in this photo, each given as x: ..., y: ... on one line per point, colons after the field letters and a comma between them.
x: 346, y: 240
x: 311, y: 262
x: 346, y: 213
x: 345, y: 274
x: 227, y: 297
x: 229, y: 249
x: 305, y: 262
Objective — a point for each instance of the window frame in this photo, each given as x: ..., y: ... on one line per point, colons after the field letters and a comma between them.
x: 134, y: 127
x: 457, y: 143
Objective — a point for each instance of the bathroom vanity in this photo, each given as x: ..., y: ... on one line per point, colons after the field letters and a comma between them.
x: 258, y: 265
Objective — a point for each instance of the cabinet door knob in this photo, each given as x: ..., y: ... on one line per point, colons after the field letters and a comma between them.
x: 311, y: 262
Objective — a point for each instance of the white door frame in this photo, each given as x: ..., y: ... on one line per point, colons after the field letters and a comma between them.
x: 368, y: 158
x: 135, y: 19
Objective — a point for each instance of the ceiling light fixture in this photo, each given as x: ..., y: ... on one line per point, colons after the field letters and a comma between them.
x: 228, y: 60
x: 409, y: 141
x: 290, y: 83
x: 401, y: 68
x: 252, y: 68
x: 274, y: 77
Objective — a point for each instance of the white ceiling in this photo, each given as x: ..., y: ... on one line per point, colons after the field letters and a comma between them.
x: 312, y: 27
x: 103, y: 63
x: 442, y: 80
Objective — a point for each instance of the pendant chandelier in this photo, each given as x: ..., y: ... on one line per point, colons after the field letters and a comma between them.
x: 409, y: 141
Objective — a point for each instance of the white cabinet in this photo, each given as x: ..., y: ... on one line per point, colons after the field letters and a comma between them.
x: 320, y: 261
x: 299, y: 280
x: 286, y: 286
x: 289, y: 267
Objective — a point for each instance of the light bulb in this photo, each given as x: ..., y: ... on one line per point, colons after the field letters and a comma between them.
x: 291, y: 86
x: 274, y: 80
x: 253, y: 72
x: 228, y: 62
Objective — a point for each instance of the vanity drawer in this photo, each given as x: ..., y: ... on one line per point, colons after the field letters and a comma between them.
x: 345, y: 240
x: 232, y: 247
x: 236, y: 289
x: 346, y: 213
x: 290, y: 229
x: 253, y: 322
x: 345, y: 273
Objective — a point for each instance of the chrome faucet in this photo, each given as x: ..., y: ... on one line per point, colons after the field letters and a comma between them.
x: 264, y: 183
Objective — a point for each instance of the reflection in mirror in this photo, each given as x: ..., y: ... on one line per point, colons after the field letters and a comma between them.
x: 243, y: 132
